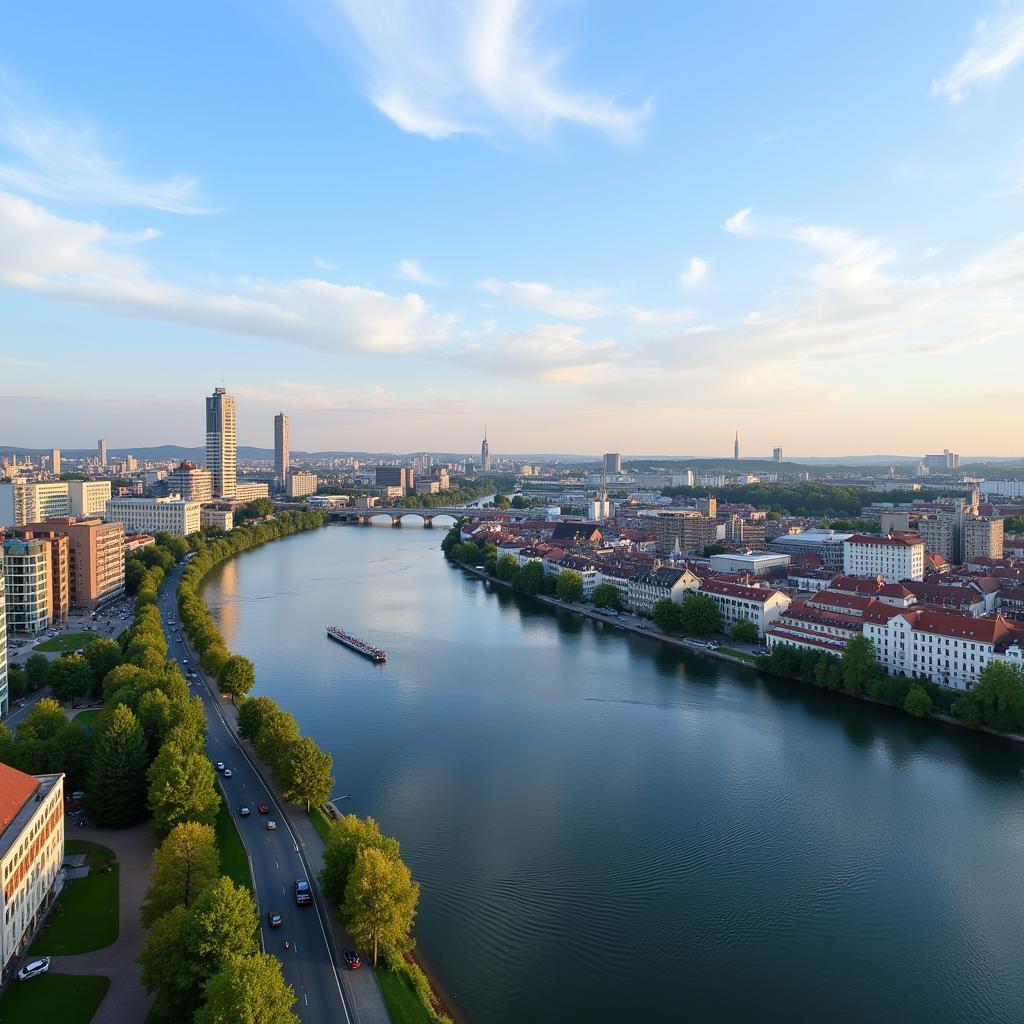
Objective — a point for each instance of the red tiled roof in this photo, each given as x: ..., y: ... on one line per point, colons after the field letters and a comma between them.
x: 16, y: 789
x: 762, y: 594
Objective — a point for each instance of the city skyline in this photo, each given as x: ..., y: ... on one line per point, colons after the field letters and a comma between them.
x: 582, y: 236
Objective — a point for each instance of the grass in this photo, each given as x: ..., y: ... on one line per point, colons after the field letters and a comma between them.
x: 738, y: 654
x: 404, y: 1006
x: 233, y: 861
x: 87, y: 719
x: 320, y: 823
x: 86, y: 916
x: 63, y: 644
x: 68, y: 998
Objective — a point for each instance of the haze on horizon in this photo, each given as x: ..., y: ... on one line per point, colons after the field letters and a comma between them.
x: 589, y: 229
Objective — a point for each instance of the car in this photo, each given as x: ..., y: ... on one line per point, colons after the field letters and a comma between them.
x: 34, y: 968
x: 273, y: 919
x: 351, y: 958
x: 271, y: 825
x: 219, y: 766
x: 228, y: 773
x: 263, y: 809
x: 244, y: 811
x: 302, y: 893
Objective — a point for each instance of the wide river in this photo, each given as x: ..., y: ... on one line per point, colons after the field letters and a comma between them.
x: 605, y: 830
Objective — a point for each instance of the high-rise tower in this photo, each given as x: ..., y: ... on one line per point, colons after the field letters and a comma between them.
x: 485, y: 454
x: 55, y: 462
x: 221, y: 445
x: 736, y: 446
x: 281, y: 457
x: 101, y: 446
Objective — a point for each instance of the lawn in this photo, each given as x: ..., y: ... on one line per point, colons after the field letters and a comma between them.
x: 233, y: 861
x: 404, y: 1006
x: 738, y: 654
x: 68, y: 998
x: 87, y: 719
x: 63, y: 644
x: 86, y: 915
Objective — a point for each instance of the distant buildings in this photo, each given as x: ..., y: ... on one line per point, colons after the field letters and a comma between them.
x: 55, y: 462
x: 151, y: 515
x: 221, y: 443
x: 683, y: 532
x: 776, y: 455
x: 192, y: 483
x: 736, y: 446
x: 88, y: 497
x: 281, y: 451
x: 612, y: 463
x: 300, y: 484
x: 394, y: 476
x: 101, y: 446
x: 942, y: 463
x: 23, y: 501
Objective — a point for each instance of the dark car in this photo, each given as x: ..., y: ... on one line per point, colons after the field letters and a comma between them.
x: 351, y: 958
x: 263, y: 809
x: 302, y: 893
x: 219, y: 766
x: 273, y: 919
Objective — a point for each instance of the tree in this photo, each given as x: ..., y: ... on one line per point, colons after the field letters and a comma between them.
x: 859, y: 664
x: 745, y: 631
x: 38, y: 668
x: 116, y: 787
x: 248, y: 990
x: 918, y: 704
x: 252, y: 712
x: 999, y: 696
x: 237, y: 676
x: 43, y: 722
x: 184, y: 865
x: 223, y: 923
x: 182, y: 788
x: 347, y: 836
x: 166, y: 966
x: 699, y: 615
x: 277, y: 733
x: 102, y: 655
x: 531, y: 578
x: 505, y: 567
x: 667, y: 615
x: 606, y: 596
x: 714, y: 549
x: 570, y: 586
x: 155, y: 714
x: 305, y: 773
x: 380, y: 901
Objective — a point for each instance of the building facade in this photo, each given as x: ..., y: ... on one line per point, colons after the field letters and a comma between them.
x: 153, y: 515
x: 87, y: 498
x: 612, y: 463
x: 55, y: 462
x: 681, y: 533
x: 301, y: 484
x: 982, y: 537
x: 191, y: 482
x: 393, y: 476
x: 27, y: 574
x: 220, y: 518
x: 250, y: 490
x: 281, y: 451
x: 485, y: 454
x: 221, y: 442
x: 60, y: 568
x: 759, y: 605
x: 31, y: 854
x: 894, y: 557
x: 95, y: 558
x: 4, y: 696
x: 23, y: 501
x: 101, y: 450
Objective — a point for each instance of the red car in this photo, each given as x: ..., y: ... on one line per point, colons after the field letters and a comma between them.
x: 263, y: 809
x: 352, y: 961
x: 273, y: 919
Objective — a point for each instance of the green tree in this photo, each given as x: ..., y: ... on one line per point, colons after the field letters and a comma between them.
x: 667, y: 615
x: 380, y: 901
x: 166, y: 967
x: 116, y: 787
x: 531, y: 578
x: 570, y: 586
x: 43, y: 722
x: 714, y: 549
x: 918, y: 703
x: 38, y: 668
x: 248, y: 990
x: 17, y: 682
x: 999, y: 696
x: 102, y: 655
x: 184, y: 865
x: 745, y: 631
x: 277, y: 733
x: 237, y: 676
x: 346, y: 837
x: 606, y: 596
x: 505, y: 567
x: 859, y: 664
x: 699, y: 615
x: 252, y: 712
x: 182, y: 788
x: 305, y: 773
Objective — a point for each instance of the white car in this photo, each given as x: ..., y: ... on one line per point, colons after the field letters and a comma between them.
x: 34, y: 968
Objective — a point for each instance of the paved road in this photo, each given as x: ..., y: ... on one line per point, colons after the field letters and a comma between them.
x: 277, y: 859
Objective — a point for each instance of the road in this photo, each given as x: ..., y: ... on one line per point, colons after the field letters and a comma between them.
x: 276, y: 858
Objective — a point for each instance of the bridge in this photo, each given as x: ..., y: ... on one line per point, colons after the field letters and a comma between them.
x: 365, y: 516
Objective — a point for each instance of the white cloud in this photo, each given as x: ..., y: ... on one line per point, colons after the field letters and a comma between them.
x: 997, y: 44
x: 574, y: 305
x: 59, y: 160
x: 323, y: 264
x: 695, y: 272
x: 411, y: 270
x: 71, y: 260
x: 740, y: 223
x: 298, y: 395
x: 659, y: 317
x: 554, y: 352
x: 439, y: 68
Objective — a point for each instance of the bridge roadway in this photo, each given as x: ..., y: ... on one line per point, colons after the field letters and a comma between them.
x: 276, y: 858
x: 364, y: 515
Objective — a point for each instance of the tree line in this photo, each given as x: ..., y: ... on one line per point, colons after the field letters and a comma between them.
x: 464, y: 490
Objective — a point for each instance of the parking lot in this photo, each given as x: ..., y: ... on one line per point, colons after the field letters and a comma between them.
x: 108, y: 622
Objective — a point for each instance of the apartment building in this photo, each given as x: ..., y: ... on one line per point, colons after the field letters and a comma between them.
x: 250, y: 490
x: 762, y: 606
x: 31, y: 854
x: 683, y: 532
x: 87, y: 497
x: 152, y: 515
x: 60, y: 566
x: 300, y: 484
x: 95, y: 557
x: 27, y: 573
x: 191, y: 482
x: 939, y: 535
x: 221, y: 518
x: 981, y: 537
x: 645, y: 589
x: 23, y: 501
x: 894, y: 557
x: 4, y: 696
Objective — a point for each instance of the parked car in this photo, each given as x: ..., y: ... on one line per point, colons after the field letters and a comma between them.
x: 302, y: 893
x: 34, y: 968
x: 273, y: 919
x: 351, y: 958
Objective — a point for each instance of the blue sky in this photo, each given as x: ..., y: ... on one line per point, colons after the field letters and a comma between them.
x: 593, y: 225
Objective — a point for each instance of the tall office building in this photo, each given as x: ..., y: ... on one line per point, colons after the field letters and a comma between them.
x: 221, y: 447
x: 776, y: 455
x: 24, y: 501
x: 55, y: 462
x: 101, y: 446
x: 191, y: 483
x: 95, y: 552
x: 736, y: 446
x: 485, y: 454
x: 280, y: 450
x: 612, y: 463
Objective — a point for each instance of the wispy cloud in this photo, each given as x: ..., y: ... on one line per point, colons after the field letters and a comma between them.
x: 439, y: 69
x: 62, y: 160
x: 695, y: 272
x: 323, y: 264
x: 574, y: 305
x: 553, y: 352
x: 997, y: 44
x: 740, y: 223
x: 411, y: 270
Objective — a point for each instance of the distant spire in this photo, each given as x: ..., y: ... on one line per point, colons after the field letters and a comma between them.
x: 736, y: 446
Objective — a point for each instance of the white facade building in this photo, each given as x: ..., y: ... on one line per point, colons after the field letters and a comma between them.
x: 251, y: 490
x: 152, y: 515
x: 27, y: 570
x: 88, y: 498
x: 300, y: 484
x: 762, y: 606
x: 756, y: 562
x: 23, y: 501
x: 644, y: 590
x: 221, y: 447
x: 895, y: 557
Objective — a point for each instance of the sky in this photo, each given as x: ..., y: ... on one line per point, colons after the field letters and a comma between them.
x: 590, y: 225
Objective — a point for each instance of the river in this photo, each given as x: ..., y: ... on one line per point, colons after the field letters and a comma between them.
x: 606, y: 831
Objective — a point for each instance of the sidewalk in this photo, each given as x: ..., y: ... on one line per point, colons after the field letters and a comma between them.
x: 126, y: 1001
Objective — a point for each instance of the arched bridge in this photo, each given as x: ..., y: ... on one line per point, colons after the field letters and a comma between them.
x: 365, y: 516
